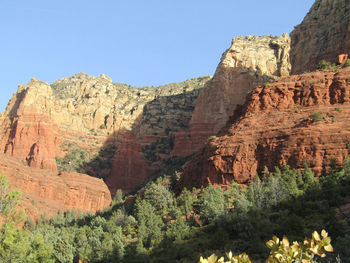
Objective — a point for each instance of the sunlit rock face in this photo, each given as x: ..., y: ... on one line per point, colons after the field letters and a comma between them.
x: 104, y: 124
x: 296, y: 120
x: 250, y: 61
x: 323, y: 34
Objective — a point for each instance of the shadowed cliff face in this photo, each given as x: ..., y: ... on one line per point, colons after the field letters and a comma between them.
x: 295, y: 120
x: 323, y: 34
x: 124, y: 134
x: 151, y: 140
x: 91, y: 125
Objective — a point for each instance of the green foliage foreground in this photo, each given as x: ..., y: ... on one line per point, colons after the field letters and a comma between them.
x: 284, y: 252
x: 161, y: 227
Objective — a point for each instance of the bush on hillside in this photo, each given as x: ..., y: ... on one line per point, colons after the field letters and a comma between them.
x: 325, y: 65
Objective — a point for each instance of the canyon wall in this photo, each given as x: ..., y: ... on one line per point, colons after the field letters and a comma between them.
x: 323, y: 34
x: 294, y: 120
x: 44, y: 192
x: 249, y: 61
x: 125, y: 134
x: 91, y: 125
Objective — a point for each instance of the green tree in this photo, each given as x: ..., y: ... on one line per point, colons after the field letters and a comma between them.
x: 150, y: 224
x: 14, y: 244
x: 84, y: 249
x: 118, y: 197
x: 158, y: 195
x: 41, y: 251
x: 212, y: 203
x: 177, y: 229
x: 9, y: 200
x: 185, y: 202
x: 63, y: 244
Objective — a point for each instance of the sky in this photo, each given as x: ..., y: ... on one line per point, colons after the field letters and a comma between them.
x: 137, y: 42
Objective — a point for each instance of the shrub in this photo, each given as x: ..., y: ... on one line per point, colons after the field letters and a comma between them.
x: 316, y: 117
x: 284, y: 251
x: 346, y: 63
x: 296, y: 110
x: 9, y: 199
x: 325, y: 65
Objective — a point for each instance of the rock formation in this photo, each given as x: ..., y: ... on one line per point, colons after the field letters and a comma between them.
x: 249, y: 61
x: 82, y: 120
x: 44, y: 192
x: 28, y: 132
x: 124, y: 134
x: 294, y: 120
x: 323, y: 34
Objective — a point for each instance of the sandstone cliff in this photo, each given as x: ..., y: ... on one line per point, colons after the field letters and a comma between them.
x: 27, y: 130
x: 76, y: 124
x: 296, y: 119
x: 44, y: 192
x: 130, y: 167
x: 249, y: 61
x: 323, y: 34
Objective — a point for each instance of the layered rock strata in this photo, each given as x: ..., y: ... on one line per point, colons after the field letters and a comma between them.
x: 295, y: 120
x: 44, y: 192
x: 84, y: 118
x: 27, y: 129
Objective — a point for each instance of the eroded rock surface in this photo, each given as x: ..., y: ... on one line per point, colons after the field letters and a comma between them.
x: 297, y: 119
x: 44, y: 192
x: 28, y: 131
x: 84, y: 119
x: 323, y: 34
x: 249, y: 61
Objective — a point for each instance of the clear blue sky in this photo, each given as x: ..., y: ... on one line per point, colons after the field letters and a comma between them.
x: 138, y: 42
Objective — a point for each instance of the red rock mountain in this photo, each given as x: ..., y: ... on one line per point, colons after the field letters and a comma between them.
x: 296, y: 119
x: 249, y: 61
x: 46, y: 192
x: 137, y: 171
x: 274, y: 126
x: 87, y: 125
x: 124, y: 134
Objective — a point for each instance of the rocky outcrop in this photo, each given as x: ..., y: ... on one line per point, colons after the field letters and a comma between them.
x: 44, y: 192
x: 249, y: 61
x: 323, y: 34
x: 85, y: 118
x: 297, y: 119
x: 92, y: 105
x: 28, y: 132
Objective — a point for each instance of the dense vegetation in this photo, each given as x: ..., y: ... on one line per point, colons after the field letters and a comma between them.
x: 82, y: 160
x: 157, y: 226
